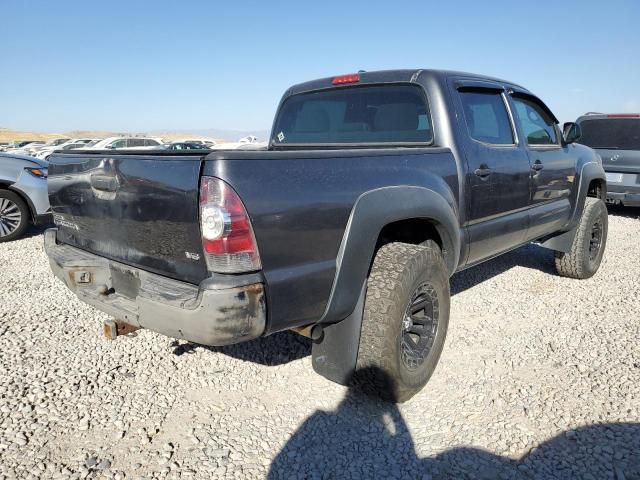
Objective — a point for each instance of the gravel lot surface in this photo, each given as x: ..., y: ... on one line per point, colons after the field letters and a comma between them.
x: 540, y: 378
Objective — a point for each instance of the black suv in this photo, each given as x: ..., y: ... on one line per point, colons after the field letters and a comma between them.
x: 616, y: 138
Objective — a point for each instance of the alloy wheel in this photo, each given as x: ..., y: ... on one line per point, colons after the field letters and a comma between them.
x: 419, y: 326
x: 595, y: 242
x: 10, y: 217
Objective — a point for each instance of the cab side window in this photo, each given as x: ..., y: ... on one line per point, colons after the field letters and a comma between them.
x: 535, y: 123
x: 486, y: 116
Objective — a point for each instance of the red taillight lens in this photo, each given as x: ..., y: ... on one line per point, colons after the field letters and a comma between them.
x: 227, y: 236
x: 352, y: 78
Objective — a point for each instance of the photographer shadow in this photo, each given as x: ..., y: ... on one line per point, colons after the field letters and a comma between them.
x: 368, y: 438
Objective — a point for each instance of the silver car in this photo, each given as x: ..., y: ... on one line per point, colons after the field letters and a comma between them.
x: 24, y: 198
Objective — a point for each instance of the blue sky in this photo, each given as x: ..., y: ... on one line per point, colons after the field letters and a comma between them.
x: 143, y: 66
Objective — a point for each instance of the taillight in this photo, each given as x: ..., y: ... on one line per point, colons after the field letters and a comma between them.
x: 227, y: 236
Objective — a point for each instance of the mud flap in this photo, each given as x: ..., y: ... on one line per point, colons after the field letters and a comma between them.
x: 560, y: 243
x: 334, y: 356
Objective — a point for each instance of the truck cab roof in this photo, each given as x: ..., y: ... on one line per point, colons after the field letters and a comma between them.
x: 395, y: 76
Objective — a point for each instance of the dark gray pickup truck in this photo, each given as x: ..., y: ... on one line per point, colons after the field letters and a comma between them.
x: 375, y: 188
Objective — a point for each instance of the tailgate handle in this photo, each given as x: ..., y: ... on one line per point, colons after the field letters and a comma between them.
x: 106, y: 183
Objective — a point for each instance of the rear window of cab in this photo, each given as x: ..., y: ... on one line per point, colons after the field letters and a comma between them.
x: 372, y: 115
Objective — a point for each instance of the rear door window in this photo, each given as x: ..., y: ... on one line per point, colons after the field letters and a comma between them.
x: 387, y: 114
x: 611, y: 133
x: 486, y: 116
x: 536, y: 125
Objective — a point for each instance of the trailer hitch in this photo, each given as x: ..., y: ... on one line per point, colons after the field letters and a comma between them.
x: 117, y: 328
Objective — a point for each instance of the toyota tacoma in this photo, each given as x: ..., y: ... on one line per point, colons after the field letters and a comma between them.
x: 375, y: 188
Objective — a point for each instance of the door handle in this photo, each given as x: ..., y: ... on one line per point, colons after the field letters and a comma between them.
x: 483, y: 172
x: 537, y: 166
x: 105, y: 183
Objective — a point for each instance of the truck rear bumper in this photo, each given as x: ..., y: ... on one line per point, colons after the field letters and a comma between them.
x: 626, y: 192
x: 205, y: 314
x: 628, y: 198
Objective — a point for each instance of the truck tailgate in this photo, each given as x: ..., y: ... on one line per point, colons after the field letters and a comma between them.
x: 138, y: 209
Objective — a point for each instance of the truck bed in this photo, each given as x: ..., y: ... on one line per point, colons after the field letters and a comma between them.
x: 299, y: 203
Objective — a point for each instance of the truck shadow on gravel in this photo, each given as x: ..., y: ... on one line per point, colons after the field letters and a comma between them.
x: 530, y: 256
x: 367, y: 438
x: 285, y: 347
x: 35, y: 230
x: 625, y: 212
x: 277, y: 349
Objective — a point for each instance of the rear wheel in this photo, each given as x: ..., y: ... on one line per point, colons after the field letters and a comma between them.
x: 589, y: 243
x: 14, y: 216
x: 405, y: 320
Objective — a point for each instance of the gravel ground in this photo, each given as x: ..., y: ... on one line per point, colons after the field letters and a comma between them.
x: 540, y: 378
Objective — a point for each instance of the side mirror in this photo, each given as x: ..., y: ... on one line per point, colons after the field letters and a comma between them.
x: 571, y: 132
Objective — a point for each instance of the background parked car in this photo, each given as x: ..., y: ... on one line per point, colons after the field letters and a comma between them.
x: 72, y: 144
x: 616, y: 138
x: 202, y: 141
x: 249, y: 142
x: 21, y: 144
x: 34, y: 148
x: 186, y: 146
x: 20, y: 148
x: 139, y: 143
x: 23, y: 195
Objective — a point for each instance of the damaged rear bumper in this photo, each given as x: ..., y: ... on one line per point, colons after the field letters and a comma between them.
x: 629, y: 199
x: 210, y: 314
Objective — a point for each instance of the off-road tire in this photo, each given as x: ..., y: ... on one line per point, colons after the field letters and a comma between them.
x: 399, y: 271
x: 25, y: 215
x: 579, y: 262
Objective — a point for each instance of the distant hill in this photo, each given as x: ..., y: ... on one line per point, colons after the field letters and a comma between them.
x: 10, y: 135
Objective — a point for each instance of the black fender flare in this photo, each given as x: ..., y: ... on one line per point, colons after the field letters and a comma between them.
x: 335, y: 354
x: 563, y: 241
x: 372, y: 211
x: 590, y: 171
